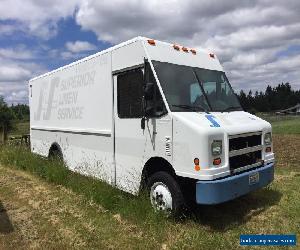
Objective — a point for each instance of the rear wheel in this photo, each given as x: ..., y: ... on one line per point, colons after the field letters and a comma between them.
x: 165, y: 193
x: 55, y: 154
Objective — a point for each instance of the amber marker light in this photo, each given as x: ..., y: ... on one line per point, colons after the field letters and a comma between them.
x: 185, y: 49
x: 176, y: 47
x: 197, y: 164
x: 151, y: 42
x: 193, y: 51
x: 217, y: 161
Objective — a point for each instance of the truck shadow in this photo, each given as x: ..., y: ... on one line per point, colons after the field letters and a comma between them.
x: 228, y: 215
x: 5, y: 224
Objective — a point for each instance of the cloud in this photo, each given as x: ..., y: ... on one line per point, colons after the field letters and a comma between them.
x: 14, y: 92
x: 19, y: 53
x: 17, y: 66
x: 13, y: 73
x: 80, y: 46
x: 38, y: 18
x: 252, y: 39
x: 246, y: 35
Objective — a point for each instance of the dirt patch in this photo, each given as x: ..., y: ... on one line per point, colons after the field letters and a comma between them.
x: 287, y: 150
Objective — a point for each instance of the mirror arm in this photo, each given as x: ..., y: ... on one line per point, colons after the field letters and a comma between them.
x: 143, y: 120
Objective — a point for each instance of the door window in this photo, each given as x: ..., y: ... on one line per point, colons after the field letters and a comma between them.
x: 159, y: 108
x: 130, y: 94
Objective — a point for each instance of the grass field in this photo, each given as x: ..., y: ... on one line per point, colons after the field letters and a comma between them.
x: 20, y: 128
x: 44, y: 204
x: 283, y: 124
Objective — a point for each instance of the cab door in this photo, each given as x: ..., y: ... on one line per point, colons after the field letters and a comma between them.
x: 136, y: 144
x: 130, y: 138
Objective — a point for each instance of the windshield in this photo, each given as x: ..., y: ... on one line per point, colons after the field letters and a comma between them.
x: 194, y: 89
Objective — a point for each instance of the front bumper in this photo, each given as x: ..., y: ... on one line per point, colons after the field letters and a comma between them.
x: 228, y: 188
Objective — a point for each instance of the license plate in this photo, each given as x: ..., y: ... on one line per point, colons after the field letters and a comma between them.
x: 253, y: 178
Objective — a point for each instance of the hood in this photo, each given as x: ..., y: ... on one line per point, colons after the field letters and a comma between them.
x: 236, y: 122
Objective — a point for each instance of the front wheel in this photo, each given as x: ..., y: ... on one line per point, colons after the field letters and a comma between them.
x: 165, y: 193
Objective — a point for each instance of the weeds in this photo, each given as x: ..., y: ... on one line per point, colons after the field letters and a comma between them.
x: 273, y: 210
x: 136, y: 208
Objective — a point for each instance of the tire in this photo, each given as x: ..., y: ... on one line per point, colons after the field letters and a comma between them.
x: 165, y: 193
x: 56, y: 155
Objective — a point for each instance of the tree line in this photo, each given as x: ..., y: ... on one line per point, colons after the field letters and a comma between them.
x: 272, y: 99
x: 8, y: 114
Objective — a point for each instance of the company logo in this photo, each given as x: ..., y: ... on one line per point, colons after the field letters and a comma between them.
x: 66, y: 100
x: 212, y: 120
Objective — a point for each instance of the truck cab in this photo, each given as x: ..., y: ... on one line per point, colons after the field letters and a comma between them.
x: 228, y: 151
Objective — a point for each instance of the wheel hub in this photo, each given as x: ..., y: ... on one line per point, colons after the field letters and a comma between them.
x: 160, y: 196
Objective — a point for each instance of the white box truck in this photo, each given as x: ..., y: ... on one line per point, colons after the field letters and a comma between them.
x: 146, y: 113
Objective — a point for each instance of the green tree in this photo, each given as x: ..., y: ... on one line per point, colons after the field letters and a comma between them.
x: 6, y: 119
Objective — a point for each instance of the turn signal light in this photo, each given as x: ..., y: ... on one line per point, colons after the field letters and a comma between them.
x: 212, y: 55
x: 268, y: 149
x: 176, y: 47
x: 151, y: 42
x: 217, y: 161
x: 197, y: 164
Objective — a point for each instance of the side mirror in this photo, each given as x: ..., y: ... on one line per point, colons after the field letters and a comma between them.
x: 149, y: 91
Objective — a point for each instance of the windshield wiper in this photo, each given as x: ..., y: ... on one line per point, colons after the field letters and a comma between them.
x: 190, y: 107
x: 237, y: 108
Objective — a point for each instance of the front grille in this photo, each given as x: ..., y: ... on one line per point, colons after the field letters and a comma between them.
x: 245, y: 151
x: 248, y: 159
x: 244, y: 142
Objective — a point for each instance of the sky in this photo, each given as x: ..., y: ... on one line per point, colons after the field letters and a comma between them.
x: 257, y: 42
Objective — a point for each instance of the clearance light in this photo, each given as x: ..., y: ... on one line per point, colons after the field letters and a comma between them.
x: 217, y: 161
x: 197, y: 167
x: 193, y: 51
x: 268, y: 149
x: 212, y: 55
x: 185, y: 49
x: 176, y: 47
x: 151, y: 42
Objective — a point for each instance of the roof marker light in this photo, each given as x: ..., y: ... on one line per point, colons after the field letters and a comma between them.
x: 193, y: 51
x: 176, y: 47
x: 212, y: 55
x: 185, y: 49
x: 151, y: 42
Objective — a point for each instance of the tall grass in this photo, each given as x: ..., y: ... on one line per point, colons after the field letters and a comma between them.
x: 272, y: 210
x: 135, y: 208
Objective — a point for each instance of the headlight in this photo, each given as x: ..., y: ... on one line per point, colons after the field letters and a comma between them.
x: 268, y: 139
x: 216, y: 147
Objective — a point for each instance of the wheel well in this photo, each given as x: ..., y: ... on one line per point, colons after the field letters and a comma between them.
x: 54, y: 148
x: 156, y: 164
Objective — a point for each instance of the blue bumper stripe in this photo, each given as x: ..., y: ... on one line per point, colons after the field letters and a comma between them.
x: 228, y: 188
